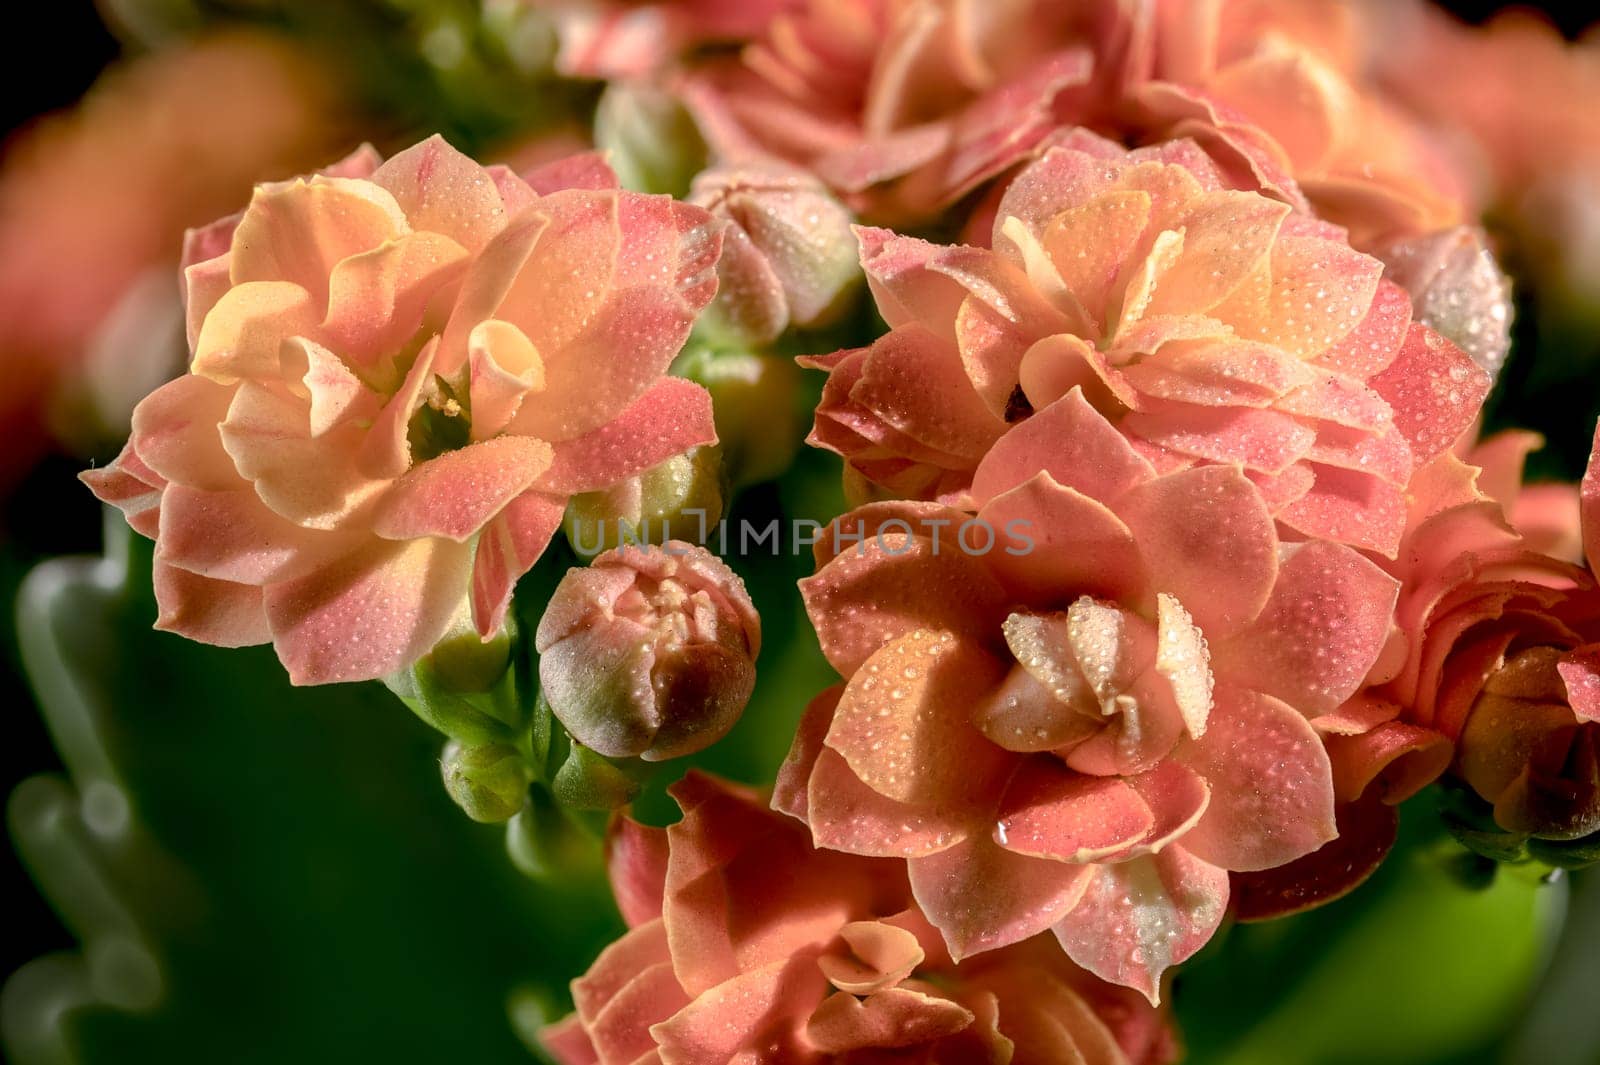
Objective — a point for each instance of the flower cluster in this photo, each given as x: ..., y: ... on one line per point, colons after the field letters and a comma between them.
x: 1184, y: 306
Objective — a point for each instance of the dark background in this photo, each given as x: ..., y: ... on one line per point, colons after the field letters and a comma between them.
x: 69, y: 46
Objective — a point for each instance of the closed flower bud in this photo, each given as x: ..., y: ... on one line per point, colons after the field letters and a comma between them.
x: 762, y: 410
x: 649, y: 652
x: 788, y: 256
x: 652, y: 142
x: 488, y: 781
x: 680, y: 498
x: 1457, y: 289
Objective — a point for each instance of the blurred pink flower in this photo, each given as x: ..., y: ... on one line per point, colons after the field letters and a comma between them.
x: 1088, y: 731
x: 1209, y: 325
x: 901, y: 106
x: 746, y: 943
x: 96, y: 198
x: 399, y: 375
x: 1282, y: 91
x: 635, y: 38
x: 649, y: 651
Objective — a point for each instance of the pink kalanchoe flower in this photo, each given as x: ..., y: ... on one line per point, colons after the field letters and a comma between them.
x: 1499, y: 657
x: 901, y: 106
x: 649, y: 651
x: 787, y: 257
x: 400, y: 373
x: 747, y: 944
x: 1086, y: 725
x: 1280, y: 92
x: 636, y: 38
x: 1209, y: 325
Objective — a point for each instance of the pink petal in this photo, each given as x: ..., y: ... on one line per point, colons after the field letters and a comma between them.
x: 220, y: 613
x: 1367, y: 831
x: 893, y: 1017
x: 618, y: 964
x: 296, y: 231
x: 671, y: 417
x: 377, y: 300
x: 585, y: 170
x: 459, y: 492
x: 1262, y: 440
x: 231, y: 536
x: 130, y: 486
x: 1372, y: 345
x: 1206, y: 538
x: 890, y: 583
x: 907, y: 290
x: 1589, y: 505
x: 1435, y: 389
x: 1271, y: 784
x: 1320, y: 632
x: 794, y: 775
x: 636, y: 866
x: 1141, y: 917
x: 442, y: 191
x: 175, y: 434
x: 622, y: 1029
x: 568, y: 1043
x: 1072, y: 442
x: 511, y: 543
x: 1393, y: 761
x: 1580, y: 672
x: 1349, y: 507
x: 847, y: 815
x: 739, y: 1018
x: 902, y: 722
x: 982, y: 897
x: 915, y: 381
x: 1075, y: 546
x: 1051, y: 812
x: 368, y: 615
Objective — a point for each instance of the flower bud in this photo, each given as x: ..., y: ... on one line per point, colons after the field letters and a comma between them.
x: 762, y: 410
x: 681, y: 497
x: 488, y: 781
x: 649, y: 652
x: 586, y: 781
x: 465, y: 687
x: 788, y: 255
x: 1457, y: 289
x: 653, y: 143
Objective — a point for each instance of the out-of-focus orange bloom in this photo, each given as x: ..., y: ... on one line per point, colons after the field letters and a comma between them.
x: 94, y: 198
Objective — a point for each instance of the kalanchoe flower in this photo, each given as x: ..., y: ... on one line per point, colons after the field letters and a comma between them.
x: 400, y: 374
x: 747, y: 944
x: 634, y: 38
x: 1209, y: 325
x: 900, y: 106
x: 1500, y: 658
x: 1457, y: 289
x: 1085, y: 725
x: 787, y: 257
x: 1281, y: 94
x: 649, y: 651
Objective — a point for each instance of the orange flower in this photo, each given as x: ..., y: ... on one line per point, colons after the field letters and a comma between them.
x: 746, y: 942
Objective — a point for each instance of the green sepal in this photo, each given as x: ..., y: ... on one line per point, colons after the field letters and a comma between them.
x: 466, y: 688
x: 486, y: 781
x: 589, y: 781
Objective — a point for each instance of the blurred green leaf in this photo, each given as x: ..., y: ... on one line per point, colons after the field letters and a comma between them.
x: 259, y: 873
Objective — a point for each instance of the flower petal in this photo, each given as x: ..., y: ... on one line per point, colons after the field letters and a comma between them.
x: 459, y: 492
x: 1051, y: 812
x: 981, y: 896
x: 511, y: 543
x: 671, y: 417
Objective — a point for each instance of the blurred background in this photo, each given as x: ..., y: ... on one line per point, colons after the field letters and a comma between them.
x: 278, y: 876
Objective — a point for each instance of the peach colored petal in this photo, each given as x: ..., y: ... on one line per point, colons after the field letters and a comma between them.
x: 789, y: 791
x: 1319, y: 633
x: 337, y: 395
x: 130, y: 486
x: 242, y: 333
x: 880, y: 955
x: 503, y: 367
x: 847, y: 815
x: 443, y: 192
x: 1072, y: 442
x: 1434, y: 389
x: 584, y: 170
x: 377, y: 299
x: 636, y: 866
x: 1206, y: 538
x: 456, y: 494
x: 739, y: 1017
x: 1264, y: 440
x: 511, y: 543
x: 890, y: 583
x: 623, y: 1029
x: 671, y: 417
x: 905, y: 287
x: 1271, y: 784
x: 568, y: 1043
x: 618, y: 964
x: 893, y: 1017
x: 175, y: 437
x: 487, y: 281
x: 231, y: 536
x: 1367, y: 831
x: 1392, y: 761
x: 1049, y: 811
x: 1078, y: 546
x: 297, y: 231
x: 399, y: 596
x: 982, y: 897
x: 1589, y: 505
x: 915, y: 381
x: 221, y: 613
x: 385, y: 452
x: 1350, y: 507
x: 1580, y: 673
x: 902, y: 725
x: 1140, y: 918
